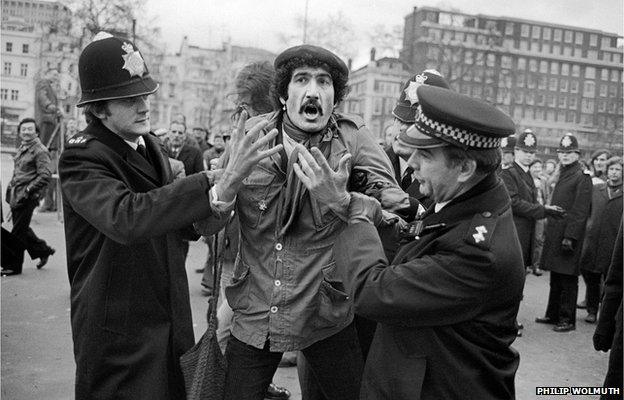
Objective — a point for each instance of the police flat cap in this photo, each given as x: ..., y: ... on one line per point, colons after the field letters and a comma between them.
x: 308, y: 51
x: 405, y: 108
x: 444, y: 118
x: 112, y: 68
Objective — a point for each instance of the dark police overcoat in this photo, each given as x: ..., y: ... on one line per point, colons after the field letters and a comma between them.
x: 130, y: 310
x: 524, y: 206
x: 602, y: 229
x: 573, y: 193
x: 447, y: 304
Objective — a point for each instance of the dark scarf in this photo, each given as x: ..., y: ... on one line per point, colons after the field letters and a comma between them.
x: 294, y: 193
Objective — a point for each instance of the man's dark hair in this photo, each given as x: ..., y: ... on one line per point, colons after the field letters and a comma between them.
x: 284, y: 74
x: 179, y: 122
x: 97, y: 107
x: 255, y: 79
x: 487, y: 160
x: 25, y: 121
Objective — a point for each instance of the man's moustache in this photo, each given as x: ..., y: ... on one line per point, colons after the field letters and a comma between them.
x: 313, y: 103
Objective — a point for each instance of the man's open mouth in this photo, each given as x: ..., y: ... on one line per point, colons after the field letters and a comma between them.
x: 311, y: 110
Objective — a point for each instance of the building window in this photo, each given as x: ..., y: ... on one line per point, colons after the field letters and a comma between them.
x: 14, y: 94
x: 615, y: 75
x: 556, y: 49
x: 540, y: 99
x: 536, y: 32
x: 554, y: 68
x: 546, y: 47
x: 563, y: 85
x: 565, y: 69
x: 567, y: 51
x: 4, y: 94
x: 587, y: 119
x: 579, y: 38
x: 606, y: 42
x: 543, y: 66
x: 593, y: 39
x: 574, y: 86
x: 576, y: 71
x: 377, y: 106
x: 530, y: 98
x: 572, y: 103
x: 509, y: 28
x: 602, y: 106
x: 578, y: 52
x: 24, y: 69
x: 9, y: 47
x: 557, y: 35
x: 506, y: 62
x: 592, y: 54
x: 531, y: 82
x: 468, y: 57
x: 561, y: 116
x: 521, y: 63
x: 563, y: 101
x: 520, y: 80
x: 603, y: 90
x: 542, y: 83
x: 533, y: 65
x: 546, y: 33
x: 612, y: 90
x: 25, y: 48
x: 552, y: 85
x: 518, y: 96
x: 7, y: 68
x: 524, y: 45
x: 571, y: 117
x: 590, y: 72
x: 535, y: 47
x: 567, y: 36
x: 524, y: 30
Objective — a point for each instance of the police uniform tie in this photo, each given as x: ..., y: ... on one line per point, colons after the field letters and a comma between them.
x: 142, y: 151
x: 406, y: 181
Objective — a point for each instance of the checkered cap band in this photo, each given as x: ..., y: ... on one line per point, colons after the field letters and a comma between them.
x: 455, y: 135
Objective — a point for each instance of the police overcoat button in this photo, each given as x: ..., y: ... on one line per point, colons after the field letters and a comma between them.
x: 478, y: 236
x: 487, y: 214
x: 262, y: 205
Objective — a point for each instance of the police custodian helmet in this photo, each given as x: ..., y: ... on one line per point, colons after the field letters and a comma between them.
x: 112, y: 68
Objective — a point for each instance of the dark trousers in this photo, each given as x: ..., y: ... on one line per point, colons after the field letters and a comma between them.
x: 335, y: 363
x: 12, y: 251
x: 562, y: 298
x: 35, y: 246
x: 593, y: 283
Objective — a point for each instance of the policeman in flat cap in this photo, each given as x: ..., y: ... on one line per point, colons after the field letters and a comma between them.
x: 286, y: 292
x: 564, y: 237
x: 447, y: 303
x: 130, y: 310
x: 521, y: 187
x: 404, y: 115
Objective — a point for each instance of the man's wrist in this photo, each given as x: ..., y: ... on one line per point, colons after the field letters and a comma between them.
x: 341, y: 206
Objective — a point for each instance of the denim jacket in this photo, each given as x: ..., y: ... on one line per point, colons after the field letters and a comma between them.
x: 31, y: 174
x: 287, y: 289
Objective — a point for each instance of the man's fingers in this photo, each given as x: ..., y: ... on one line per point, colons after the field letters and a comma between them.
x: 267, y: 153
x: 240, y: 128
x: 344, y: 164
x: 309, y: 159
x: 320, y: 160
x: 263, y: 141
x: 302, y: 176
x: 305, y: 166
x: 257, y: 127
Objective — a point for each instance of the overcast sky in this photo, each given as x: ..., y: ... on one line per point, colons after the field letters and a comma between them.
x: 258, y: 23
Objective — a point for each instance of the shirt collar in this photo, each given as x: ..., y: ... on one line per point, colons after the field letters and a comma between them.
x: 136, y: 144
x: 440, y: 206
x: 525, y: 169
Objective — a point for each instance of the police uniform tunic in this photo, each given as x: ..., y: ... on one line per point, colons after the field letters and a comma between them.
x: 131, y: 317
x: 446, y: 305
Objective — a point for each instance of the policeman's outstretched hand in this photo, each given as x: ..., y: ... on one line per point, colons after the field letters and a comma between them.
x: 555, y: 211
x: 363, y: 208
x: 567, y: 245
x: 246, y: 150
x: 602, y: 342
x: 325, y: 185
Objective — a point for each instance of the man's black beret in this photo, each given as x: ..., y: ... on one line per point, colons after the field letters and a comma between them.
x: 308, y: 51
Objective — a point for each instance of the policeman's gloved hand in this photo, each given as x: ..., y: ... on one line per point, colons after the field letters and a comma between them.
x: 363, y: 208
x: 567, y: 245
x: 554, y: 211
x: 602, y: 342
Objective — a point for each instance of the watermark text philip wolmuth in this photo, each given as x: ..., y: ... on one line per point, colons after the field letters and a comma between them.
x: 575, y: 390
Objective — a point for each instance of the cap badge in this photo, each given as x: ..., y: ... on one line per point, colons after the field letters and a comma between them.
x: 478, y: 236
x: 410, y: 91
x: 133, y: 62
x: 504, y: 142
x: 529, y: 140
x: 566, y: 141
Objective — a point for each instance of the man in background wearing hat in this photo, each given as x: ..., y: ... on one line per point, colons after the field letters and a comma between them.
x: 130, y: 310
x: 447, y: 304
x: 401, y: 149
x: 564, y: 237
x: 286, y: 292
x: 521, y: 187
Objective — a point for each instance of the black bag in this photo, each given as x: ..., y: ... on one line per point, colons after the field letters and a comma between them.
x: 203, y: 366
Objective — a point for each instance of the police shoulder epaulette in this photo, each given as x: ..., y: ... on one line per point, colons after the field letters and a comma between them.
x: 481, y: 229
x: 355, y: 120
x: 79, y: 140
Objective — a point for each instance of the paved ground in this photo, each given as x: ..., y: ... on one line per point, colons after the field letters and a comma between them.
x: 37, y: 361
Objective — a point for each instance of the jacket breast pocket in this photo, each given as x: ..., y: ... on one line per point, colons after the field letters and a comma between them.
x: 237, y: 292
x: 334, y: 303
x: 252, y: 198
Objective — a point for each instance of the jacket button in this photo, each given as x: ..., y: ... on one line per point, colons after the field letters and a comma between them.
x: 278, y: 247
x: 278, y: 282
x: 273, y: 309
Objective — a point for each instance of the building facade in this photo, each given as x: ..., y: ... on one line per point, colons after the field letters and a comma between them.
x: 198, y: 83
x: 550, y: 78
x: 374, y: 90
